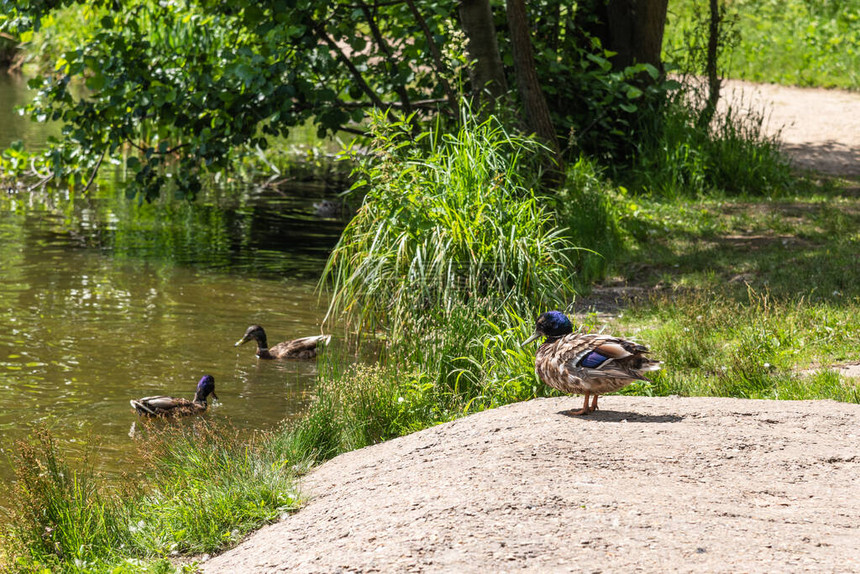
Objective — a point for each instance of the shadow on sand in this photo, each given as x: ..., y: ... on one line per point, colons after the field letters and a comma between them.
x: 623, y: 416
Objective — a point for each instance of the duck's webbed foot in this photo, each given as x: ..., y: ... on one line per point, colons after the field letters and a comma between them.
x: 584, y: 410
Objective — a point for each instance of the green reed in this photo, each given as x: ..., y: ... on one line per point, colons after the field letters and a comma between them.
x: 446, y: 218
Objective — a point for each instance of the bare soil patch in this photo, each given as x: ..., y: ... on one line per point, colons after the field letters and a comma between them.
x: 648, y: 484
x: 820, y: 128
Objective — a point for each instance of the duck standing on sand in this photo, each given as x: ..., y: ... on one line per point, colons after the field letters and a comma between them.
x: 587, y: 364
x: 304, y: 348
x: 163, y: 406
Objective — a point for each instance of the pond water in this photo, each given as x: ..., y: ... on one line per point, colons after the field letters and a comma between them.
x: 104, y: 299
x: 13, y: 126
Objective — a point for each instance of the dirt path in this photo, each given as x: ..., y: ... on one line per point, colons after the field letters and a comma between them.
x: 648, y: 484
x: 820, y: 128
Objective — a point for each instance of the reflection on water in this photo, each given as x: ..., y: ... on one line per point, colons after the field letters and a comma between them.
x: 14, y: 127
x: 103, y: 300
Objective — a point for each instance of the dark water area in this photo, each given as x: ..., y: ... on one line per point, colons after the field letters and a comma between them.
x: 105, y: 299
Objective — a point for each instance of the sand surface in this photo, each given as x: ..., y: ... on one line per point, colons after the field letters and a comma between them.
x: 645, y: 484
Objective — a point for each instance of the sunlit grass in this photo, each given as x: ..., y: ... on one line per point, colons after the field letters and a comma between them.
x: 717, y: 345
x: 743, y: 297
x: 446, y: 219
x: 788, y: 42
x: 201, y: 488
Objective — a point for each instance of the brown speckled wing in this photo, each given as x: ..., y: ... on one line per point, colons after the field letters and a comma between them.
x: 556, y: 363
x: 161, y: 405
x: 304, y: 348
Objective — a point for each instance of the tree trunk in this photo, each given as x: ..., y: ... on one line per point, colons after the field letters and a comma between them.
x: 634, y: 29
x: 487, y: 72
x: 714, y: 83
x: 534, y: 102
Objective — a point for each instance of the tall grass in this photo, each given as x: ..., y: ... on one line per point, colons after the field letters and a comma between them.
x: 731, y: 156
x: 60, y: 517
x: 208, y: 486
x: 202, y: 488
x: 591, y: 211
x: 446, y: 219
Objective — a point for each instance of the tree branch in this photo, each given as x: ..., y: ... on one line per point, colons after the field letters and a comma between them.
x: 93, y: 175
x: 437, y: 56
x: 318, y: 28
x: 352, y: 131
x: 390, y: 61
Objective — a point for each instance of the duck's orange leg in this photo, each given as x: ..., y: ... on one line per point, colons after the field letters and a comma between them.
x: 584, y: 410
x: 593, y: 404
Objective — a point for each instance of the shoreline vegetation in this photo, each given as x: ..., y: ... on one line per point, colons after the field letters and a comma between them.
x: 738, y: 273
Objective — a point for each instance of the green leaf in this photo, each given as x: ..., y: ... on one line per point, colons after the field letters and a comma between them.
x: 96, y: 82
x: 652, y: 71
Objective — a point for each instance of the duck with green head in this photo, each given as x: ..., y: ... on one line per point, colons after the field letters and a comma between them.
x: 164, y: 406
x: 586, y: 364
x: 304, y: 348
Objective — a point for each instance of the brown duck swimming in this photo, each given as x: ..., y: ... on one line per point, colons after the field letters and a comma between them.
x: 586, y: 364
x: 304, y: 348
x: 163, y: 406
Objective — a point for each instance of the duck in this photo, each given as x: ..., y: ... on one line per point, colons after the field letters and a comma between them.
x: 584, y: 363
x: 328, y: 208
x: 164, y: 406
x: 304, y: 348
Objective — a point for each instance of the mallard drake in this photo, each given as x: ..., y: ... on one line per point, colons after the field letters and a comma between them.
x: 304, y: 348
x: 587, y: 364
x: 160, y: 406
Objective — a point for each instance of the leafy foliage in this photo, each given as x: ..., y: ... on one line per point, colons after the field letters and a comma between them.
x: 175, y: 87
x: 792, y: 42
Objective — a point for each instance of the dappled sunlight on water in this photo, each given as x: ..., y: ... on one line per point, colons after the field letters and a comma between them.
x: 103, y: 300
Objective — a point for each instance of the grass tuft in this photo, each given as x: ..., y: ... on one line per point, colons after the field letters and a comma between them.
x: 205, y: 487
x: 733, y: 156
x: 446, y: 219
x: 59, y: 517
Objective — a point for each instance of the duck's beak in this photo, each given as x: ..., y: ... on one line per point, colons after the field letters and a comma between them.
x: 534, y: 336
x: 240, y: 341
x: 215, y: 396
